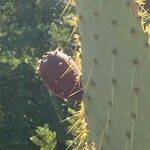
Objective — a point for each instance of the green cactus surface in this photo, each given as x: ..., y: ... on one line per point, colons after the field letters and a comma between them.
x: 116, y: 73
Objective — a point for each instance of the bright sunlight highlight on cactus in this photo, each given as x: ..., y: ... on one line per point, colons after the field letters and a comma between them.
x: 116, y: 70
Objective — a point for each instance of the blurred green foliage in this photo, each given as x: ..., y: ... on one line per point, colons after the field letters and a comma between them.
x: 44, y: 138
x: 26, y: 104
x: 29, y: 28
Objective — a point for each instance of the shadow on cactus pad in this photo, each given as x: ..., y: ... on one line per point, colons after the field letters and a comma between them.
x: 61, y: 75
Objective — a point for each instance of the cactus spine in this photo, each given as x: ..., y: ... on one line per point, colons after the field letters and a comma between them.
x: 116, y: 73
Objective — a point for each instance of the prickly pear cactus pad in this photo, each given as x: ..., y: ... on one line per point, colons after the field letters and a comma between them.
x: 116, y: 73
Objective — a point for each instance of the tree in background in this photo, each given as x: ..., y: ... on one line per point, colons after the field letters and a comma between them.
x: 27, y: 30
x: 44, y: 138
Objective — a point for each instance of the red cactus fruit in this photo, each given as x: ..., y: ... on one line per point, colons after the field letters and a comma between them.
x: 61, y: 75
